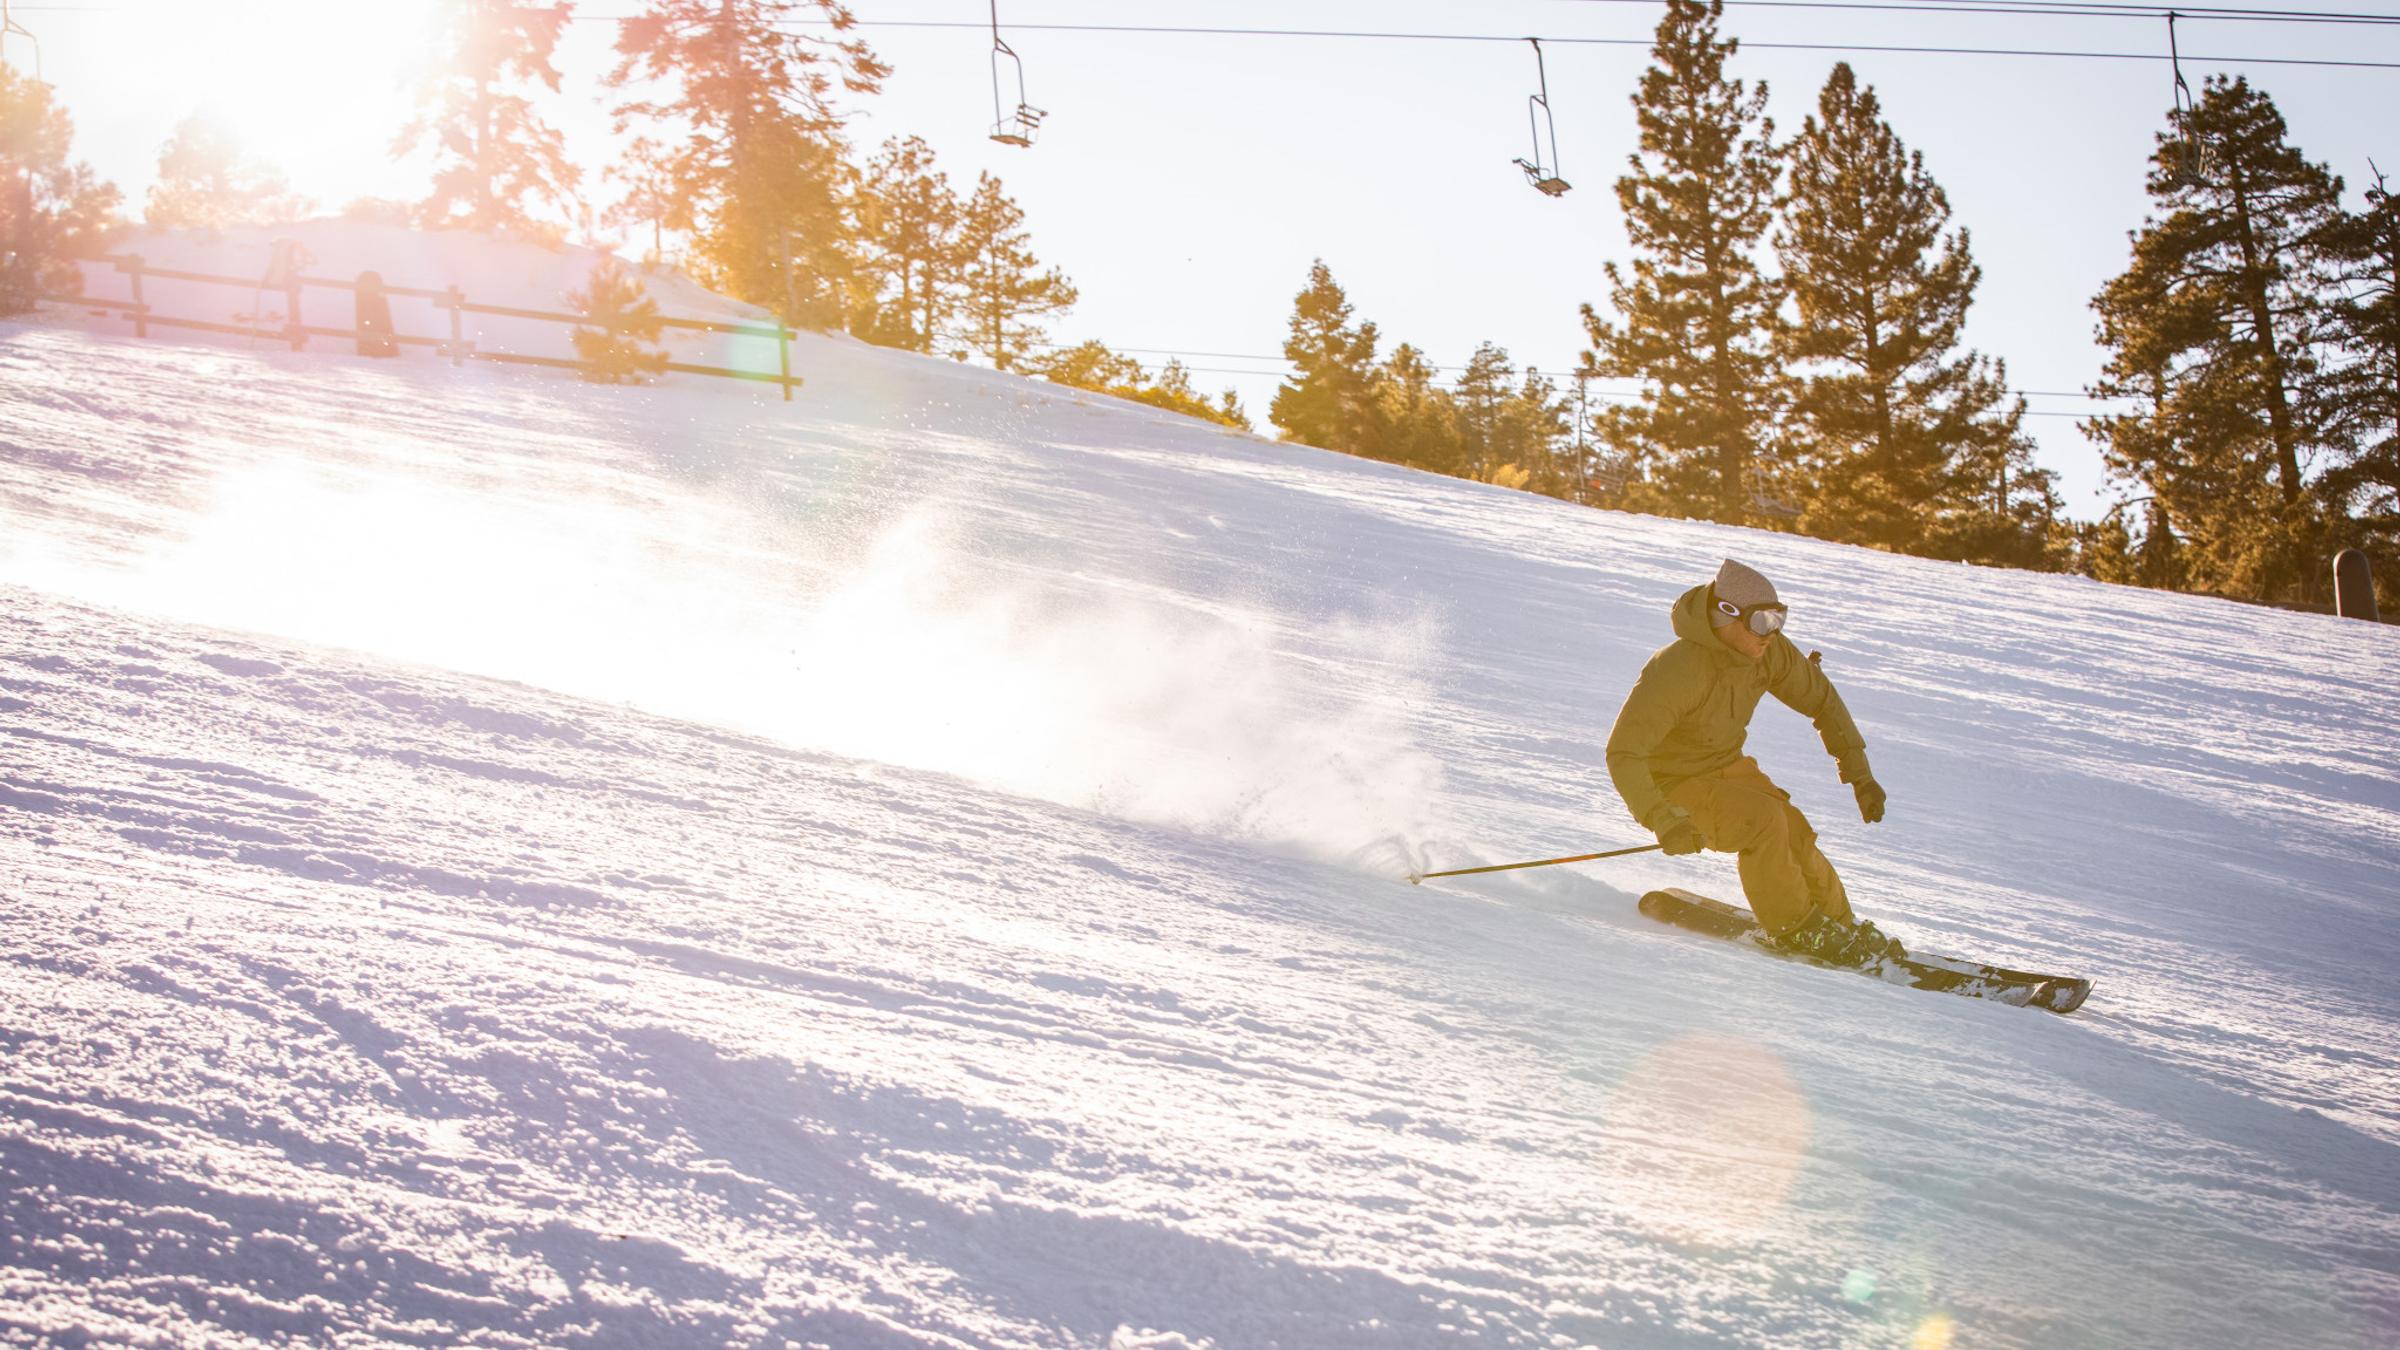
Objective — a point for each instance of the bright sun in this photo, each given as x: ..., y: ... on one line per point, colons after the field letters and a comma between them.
x: 317, y: 88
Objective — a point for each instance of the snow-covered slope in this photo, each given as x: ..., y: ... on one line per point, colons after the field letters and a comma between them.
x: 487, y: 857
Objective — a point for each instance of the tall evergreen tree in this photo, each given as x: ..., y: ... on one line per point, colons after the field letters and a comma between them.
x: 1419, y: 420
x: 753, y: 147
x: 51, y: 208
x: 1003, y: 290
x: 1905, y: 440
x: 1538, y: 432
x: 2365, y: 484
x: 2218, y: 321
x: 907, y: 220
x: 1328, y: 400
x: 1482, y: 396
x: 493, y: 148
x: 1697, y: 315
x: 206, y: 182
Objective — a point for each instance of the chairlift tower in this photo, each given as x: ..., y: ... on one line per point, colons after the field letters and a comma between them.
x: 1537, y: 116
x: 9, y: 28
x: 1011, y: 128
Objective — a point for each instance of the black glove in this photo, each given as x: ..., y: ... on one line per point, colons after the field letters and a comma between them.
x: 1681, y: 837
x: 1870, y: 799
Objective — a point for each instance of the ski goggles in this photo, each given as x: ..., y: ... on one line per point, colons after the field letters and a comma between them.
x: 1759, y: 619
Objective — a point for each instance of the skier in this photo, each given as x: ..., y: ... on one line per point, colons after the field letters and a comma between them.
x: 1676, y: 758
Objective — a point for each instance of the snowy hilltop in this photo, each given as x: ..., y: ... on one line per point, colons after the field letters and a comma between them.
x: 487, y: 857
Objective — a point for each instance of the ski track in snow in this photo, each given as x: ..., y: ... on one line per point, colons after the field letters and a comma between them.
x: 484, y: 857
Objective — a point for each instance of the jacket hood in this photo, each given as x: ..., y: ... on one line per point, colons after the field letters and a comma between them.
x: 1691, y: 620
x: 1692, y: 625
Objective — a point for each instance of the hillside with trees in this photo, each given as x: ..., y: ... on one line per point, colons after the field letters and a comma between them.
x: 1784, y: 345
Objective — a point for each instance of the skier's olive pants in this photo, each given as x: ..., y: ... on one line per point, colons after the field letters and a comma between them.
x: 1738, y: 809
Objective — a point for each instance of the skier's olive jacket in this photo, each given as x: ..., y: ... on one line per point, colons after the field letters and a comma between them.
x: 1690, y: 712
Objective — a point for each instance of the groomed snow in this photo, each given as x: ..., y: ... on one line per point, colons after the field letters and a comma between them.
x: 485, y: 858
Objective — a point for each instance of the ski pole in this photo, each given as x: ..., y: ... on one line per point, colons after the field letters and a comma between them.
x: 1416, y: 877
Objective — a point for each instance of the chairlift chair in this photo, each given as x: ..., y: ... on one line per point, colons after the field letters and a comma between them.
x: 1011, y: 128
x: 1537, y: 116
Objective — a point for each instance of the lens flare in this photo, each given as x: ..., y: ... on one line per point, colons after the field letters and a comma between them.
x: 1716, y: 1133
x: 1933, y: 1333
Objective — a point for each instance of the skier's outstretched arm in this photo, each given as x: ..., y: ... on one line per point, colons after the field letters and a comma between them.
x: 1800, y: 684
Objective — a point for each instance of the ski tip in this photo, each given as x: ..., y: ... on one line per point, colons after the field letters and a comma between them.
x: 1415, y: 879
x: 2063, y: 995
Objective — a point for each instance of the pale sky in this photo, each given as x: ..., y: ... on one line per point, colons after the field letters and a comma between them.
x: 1185, y: 181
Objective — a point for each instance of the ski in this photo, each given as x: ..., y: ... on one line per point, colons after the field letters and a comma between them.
x: 2019, y: 988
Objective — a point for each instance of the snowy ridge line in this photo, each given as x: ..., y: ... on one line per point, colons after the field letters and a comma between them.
x: 980, y: 787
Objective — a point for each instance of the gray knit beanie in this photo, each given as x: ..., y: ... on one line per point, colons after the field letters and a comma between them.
x: 1741, y: 587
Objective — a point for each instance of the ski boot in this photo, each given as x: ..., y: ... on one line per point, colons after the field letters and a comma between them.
x: 1837, y: 943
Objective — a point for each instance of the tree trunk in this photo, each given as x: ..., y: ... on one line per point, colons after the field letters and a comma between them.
x: 483, y: 153
x: 2262, y: 320
x: 1730, y: 507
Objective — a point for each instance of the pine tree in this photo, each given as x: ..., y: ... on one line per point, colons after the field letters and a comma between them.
x: 907, y: 222
x: 624, y: 321
x: 493, y: 149
x: 1003, y: 291
x: 1904, y: 439
x: 1696, y: 316
x: 2365, y: 390
x: 1419, y: 421
x: 1538, y: 429
x: 1482, y: 396
x: 51, y: 210
x: 752, y: 154
x: 2217, y: 324
x: 205, y: 182
x: 1328, y: 400
x: 646, y: 173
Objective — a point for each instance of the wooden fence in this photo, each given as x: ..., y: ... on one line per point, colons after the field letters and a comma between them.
x: 457, y: 347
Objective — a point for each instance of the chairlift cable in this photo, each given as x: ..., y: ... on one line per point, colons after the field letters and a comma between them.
x: 1184, y: 30
x: 2066, y: 9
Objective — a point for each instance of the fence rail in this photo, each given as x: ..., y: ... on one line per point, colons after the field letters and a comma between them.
x: 457, y: 346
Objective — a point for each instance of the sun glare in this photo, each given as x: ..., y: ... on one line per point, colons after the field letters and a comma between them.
x: 316, y: 90
x: 1737, y: 1126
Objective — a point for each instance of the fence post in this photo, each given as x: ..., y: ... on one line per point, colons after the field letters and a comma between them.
x: 458, y: 336
x: 2353, y: 586
x: 292, y: 330
x: 783, y: 356
x: 131, y: 266
x: 373, y: 309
